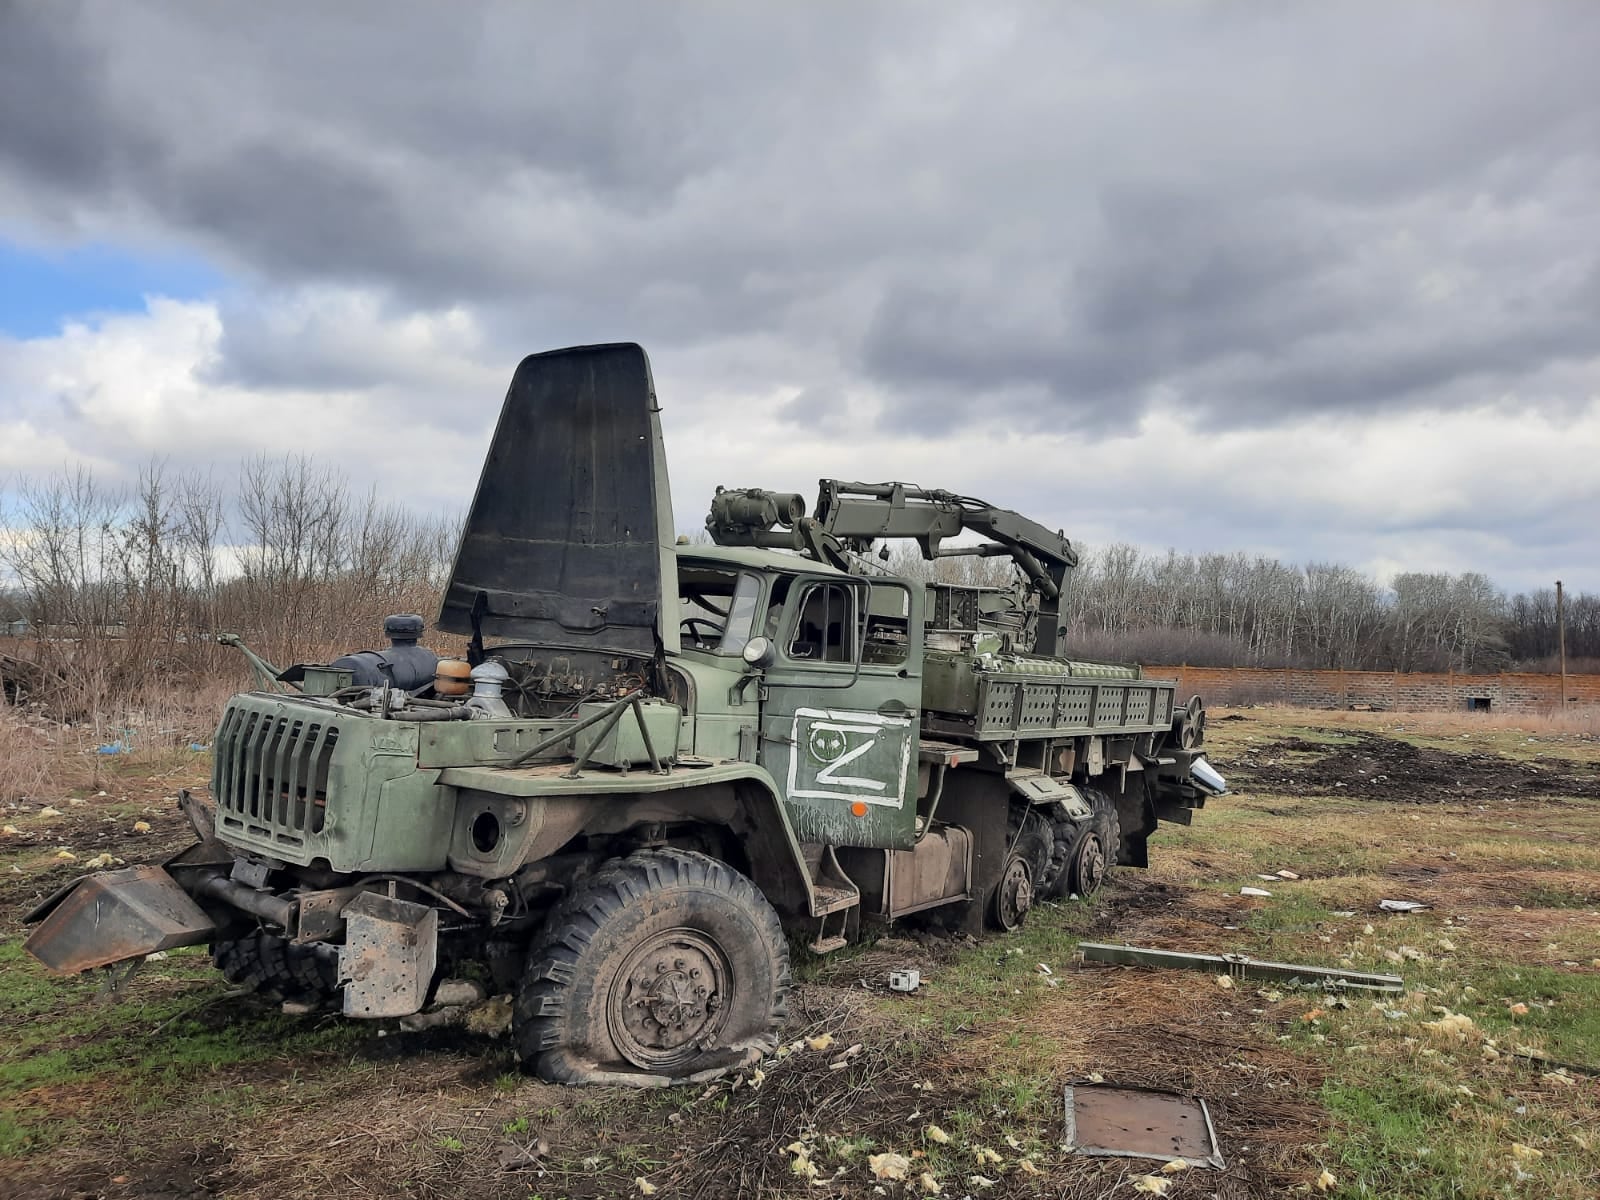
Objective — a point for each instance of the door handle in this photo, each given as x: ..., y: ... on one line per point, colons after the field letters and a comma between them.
x: 893, y: 708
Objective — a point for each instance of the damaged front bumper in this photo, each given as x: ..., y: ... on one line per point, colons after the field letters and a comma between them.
x: 387, y: 947
x: 104, y: 919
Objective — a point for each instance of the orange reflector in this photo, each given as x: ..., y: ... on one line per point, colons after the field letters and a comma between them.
x: 859, y: 809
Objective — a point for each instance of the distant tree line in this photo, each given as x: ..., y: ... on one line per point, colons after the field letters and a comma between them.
x: 112, y: 586
x: 1250, y: 610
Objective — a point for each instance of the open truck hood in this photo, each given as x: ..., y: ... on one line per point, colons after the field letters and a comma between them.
x: 570, y: 533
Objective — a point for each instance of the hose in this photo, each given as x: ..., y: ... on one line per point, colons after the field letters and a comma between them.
x: 459, y: 712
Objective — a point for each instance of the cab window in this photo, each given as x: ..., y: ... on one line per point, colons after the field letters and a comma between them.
x: 741, y: 615
x: 886, y: 631
x: 824, y: 628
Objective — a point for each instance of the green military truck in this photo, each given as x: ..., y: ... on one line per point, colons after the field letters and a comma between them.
x: 659, y: 760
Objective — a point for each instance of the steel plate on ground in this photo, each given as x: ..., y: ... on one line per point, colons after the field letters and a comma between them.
x: 1139, y: 1123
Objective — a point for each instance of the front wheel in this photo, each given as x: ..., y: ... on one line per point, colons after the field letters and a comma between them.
x: 665, y: 966
x: 278, y: 969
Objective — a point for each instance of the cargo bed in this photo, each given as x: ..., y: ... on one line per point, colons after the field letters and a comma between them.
x: 1003, y: 705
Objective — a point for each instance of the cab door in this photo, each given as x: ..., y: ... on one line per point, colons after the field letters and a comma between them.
x: 840, y: 719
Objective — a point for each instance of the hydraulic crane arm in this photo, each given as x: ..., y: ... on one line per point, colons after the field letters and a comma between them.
x: 851, y: 516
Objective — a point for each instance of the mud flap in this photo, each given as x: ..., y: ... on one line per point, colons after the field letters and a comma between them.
x: 115, y: 916
x: 389, y: 955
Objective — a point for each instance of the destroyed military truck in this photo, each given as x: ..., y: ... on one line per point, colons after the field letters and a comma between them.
x: 658, y: 761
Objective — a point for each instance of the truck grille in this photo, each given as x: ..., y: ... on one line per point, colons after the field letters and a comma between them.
x: 270, y: 773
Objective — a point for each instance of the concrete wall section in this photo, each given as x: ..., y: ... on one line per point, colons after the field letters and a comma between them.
x: 1388, y: 690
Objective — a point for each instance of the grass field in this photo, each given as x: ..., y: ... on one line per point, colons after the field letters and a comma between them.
x: 1475, y: 1082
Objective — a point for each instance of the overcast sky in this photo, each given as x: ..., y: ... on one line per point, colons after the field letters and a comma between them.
x: 1318, y: 281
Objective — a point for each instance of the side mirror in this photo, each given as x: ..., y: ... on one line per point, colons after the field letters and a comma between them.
x: 759, y: 652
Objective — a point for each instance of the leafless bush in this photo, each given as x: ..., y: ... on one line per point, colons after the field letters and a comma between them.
x: 123, y: 591
x: 1273, y: 614
x: 1191, y: 647
x: 29, y: 760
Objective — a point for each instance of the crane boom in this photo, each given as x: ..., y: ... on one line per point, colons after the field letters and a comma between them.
x: 850, y: 517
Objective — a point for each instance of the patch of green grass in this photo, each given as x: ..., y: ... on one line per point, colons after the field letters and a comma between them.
x: 999, y: 976
x: 1289, y: 912
x: 1563, y: 1009
x: 848, y: 1149
x: 1550, y: 896
x: 19, y: 1130
x: 138, y: 1051
x: 807, y: 966
x: 1394, y: 1141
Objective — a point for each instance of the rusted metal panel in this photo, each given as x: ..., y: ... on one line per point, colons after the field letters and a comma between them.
x: 321, y: 913
x: 1122, y: 1122
x: 389, y: 955
x: 935, y: 872
x: 118, y: 915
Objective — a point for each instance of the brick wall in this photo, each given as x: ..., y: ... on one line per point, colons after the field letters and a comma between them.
x: 1391, y: 690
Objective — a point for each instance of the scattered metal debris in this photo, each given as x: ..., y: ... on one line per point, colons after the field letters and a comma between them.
x: 1402, y: 906
x: 1125, y: 1122
x: 1240, y: 966
x: 905, y: 981
x: 1254, y: 891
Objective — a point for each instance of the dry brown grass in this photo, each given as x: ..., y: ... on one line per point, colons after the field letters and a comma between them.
x: 43, y: 759
x: 1577, y: 721
x: 30, y: 759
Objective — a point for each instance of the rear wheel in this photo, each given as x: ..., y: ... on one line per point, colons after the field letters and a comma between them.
x: 665, y: 965
x: 1026, y: 867
x: 1107, y: 826
x: 1082, y: 854
x: 278, y: 969
x: 1086, y: 869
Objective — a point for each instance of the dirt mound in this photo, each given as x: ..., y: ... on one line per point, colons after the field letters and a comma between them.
x: 1374, y: 767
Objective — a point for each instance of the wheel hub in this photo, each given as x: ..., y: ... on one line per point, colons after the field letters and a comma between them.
x: 667, y: 1002
x: 1089, y: 867
x: 1015, y: 896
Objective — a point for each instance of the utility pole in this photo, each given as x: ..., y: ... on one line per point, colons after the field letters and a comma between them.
x: 1561, y: 641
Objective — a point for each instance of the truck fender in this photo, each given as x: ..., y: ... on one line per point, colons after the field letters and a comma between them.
x: 739, y: 797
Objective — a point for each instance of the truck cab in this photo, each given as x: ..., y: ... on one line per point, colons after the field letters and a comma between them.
x: 833, y: 716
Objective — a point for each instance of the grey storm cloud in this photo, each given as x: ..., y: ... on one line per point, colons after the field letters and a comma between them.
x: 1063, y: 210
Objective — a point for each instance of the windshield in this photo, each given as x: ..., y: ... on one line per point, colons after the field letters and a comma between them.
x: 718, y: 608
x: 741, y: 615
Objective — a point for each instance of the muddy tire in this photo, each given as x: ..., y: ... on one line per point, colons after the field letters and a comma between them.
x: 1108, y: 826
x: 664, y: 966
x: 1064, y: 834
x: 1028, y: 863
x: 1082, y: 857
x: 277, y: 969
x: 1089, y: 864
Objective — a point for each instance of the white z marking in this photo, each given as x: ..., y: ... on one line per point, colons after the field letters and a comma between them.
x: 828, y: 775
